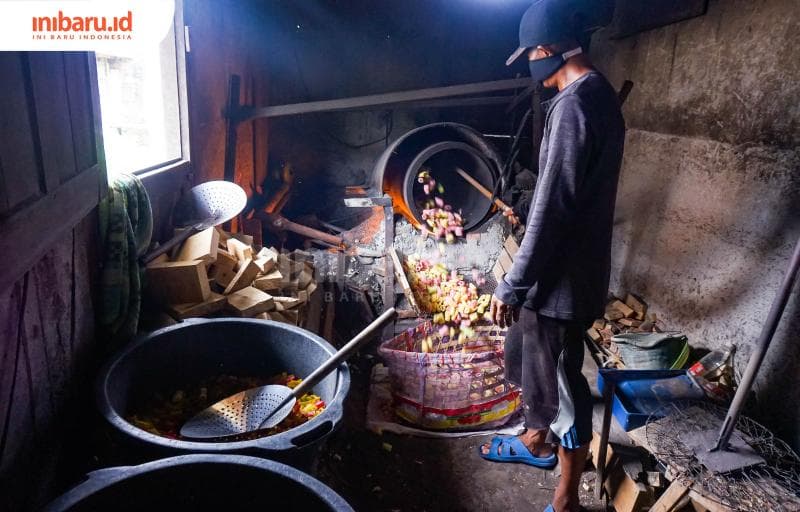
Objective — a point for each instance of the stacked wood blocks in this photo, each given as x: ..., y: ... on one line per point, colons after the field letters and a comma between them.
x: 629, y: 486
x: 215, y: 272
x: 506, y: 258
x: 628, y: 316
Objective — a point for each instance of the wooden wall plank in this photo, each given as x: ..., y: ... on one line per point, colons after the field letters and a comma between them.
x: 52, y: 218
x: 52, y: 116
x: 52, y: 176
x: 10, y: 306
x: 46, y: 348
x: 22, y: 173
x: 80, y: 107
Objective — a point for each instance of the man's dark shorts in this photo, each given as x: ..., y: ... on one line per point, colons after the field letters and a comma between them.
x: 544, y: 356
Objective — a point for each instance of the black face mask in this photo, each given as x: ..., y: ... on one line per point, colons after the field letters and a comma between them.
x: 542, y: 69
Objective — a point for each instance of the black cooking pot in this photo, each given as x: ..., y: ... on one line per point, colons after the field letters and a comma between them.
x: 201, y: 482
x: 183, y: 355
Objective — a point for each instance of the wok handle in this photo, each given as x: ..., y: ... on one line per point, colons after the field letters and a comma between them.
x: 175, y: 240
x: 344, y: 353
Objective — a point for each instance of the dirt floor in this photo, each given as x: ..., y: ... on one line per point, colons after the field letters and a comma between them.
x: 404, y: 473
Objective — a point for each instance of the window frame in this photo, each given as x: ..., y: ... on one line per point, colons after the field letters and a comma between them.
x: 183, y: 162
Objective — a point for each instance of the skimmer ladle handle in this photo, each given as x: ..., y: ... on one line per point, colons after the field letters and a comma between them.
x: 344, y: 353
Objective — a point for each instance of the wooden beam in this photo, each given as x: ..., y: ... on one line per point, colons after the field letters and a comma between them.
x: 231, y: 140
x: 671, y: 497
x: 400, y: 274
x: 373, y: 100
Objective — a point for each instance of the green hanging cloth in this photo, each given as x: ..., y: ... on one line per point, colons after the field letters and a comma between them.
x: 126, y: 226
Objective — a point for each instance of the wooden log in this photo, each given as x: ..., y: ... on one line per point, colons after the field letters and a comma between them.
x: 302, y: 256
x: 312, y: 319
x: 223, y: 237
x: 620, y: 306
x: 311, y: 288
x: 161, y: 258
x: 178, y: 282
x: 245, y: 239
x: 214, y: 304
x: 270, y: 282
x: 505, y: 260
x: 303, y: 278
x: 289, y: 286
x: 243, y: 278
x: 287, y: 302
x: 612, y: 315
x: 330, y: 313
x: 668, y: 501
x: 511, y: 246
x: 630, y: 322
x: 498, y: 271
x: 627, y: 494
x: 594, y: 334
x: 266, y: 260
x: 242, y: 251
x: 249, y: 302
x: 635, y: 304
x: 292, y: 316
x: 302, y: 296
x: 224, y: 268
x: 599, y: 324
x: 200, y: 246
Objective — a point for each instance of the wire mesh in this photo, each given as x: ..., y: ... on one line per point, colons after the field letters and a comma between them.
x: 773, y: 486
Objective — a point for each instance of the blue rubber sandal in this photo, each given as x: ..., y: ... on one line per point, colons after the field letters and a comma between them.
x: 549, y: 509
x: 521, y: 453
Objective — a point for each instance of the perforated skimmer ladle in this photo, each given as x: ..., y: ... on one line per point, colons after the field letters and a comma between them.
x: 206, y: 205
x: 266, y: 406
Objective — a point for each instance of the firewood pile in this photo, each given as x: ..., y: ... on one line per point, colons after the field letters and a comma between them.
x: 630, y: 315
x: 219, y: 273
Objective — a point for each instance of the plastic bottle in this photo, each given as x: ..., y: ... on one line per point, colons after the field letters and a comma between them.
x: 713, y: 364
x: 714, y: 373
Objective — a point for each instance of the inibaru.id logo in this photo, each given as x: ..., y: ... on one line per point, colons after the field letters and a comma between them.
x: 84, y: 27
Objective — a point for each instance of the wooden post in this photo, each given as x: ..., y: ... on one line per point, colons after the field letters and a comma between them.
x: 234, y: 95
x: 388, y: 278
x: 608, y: 397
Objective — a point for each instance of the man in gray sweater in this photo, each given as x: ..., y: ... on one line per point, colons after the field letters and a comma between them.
x: 559, y: 280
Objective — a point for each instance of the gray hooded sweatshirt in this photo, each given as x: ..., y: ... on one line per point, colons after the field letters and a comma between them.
x: 563, y: 264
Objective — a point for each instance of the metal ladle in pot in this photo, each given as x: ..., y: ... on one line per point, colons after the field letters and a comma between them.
x: 266, y: 406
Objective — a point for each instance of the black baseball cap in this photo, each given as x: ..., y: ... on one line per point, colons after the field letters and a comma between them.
x: 546, y: 22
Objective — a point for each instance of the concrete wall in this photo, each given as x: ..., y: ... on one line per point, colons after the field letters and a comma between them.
x: 709, y: 203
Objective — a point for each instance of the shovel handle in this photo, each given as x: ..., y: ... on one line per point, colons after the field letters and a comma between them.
x: 480, y: 188
x: 175, y: 240
x: 344, y: 353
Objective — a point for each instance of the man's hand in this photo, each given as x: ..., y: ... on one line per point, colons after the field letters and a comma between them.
x: 508, y: 213
x: 502, y: 314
